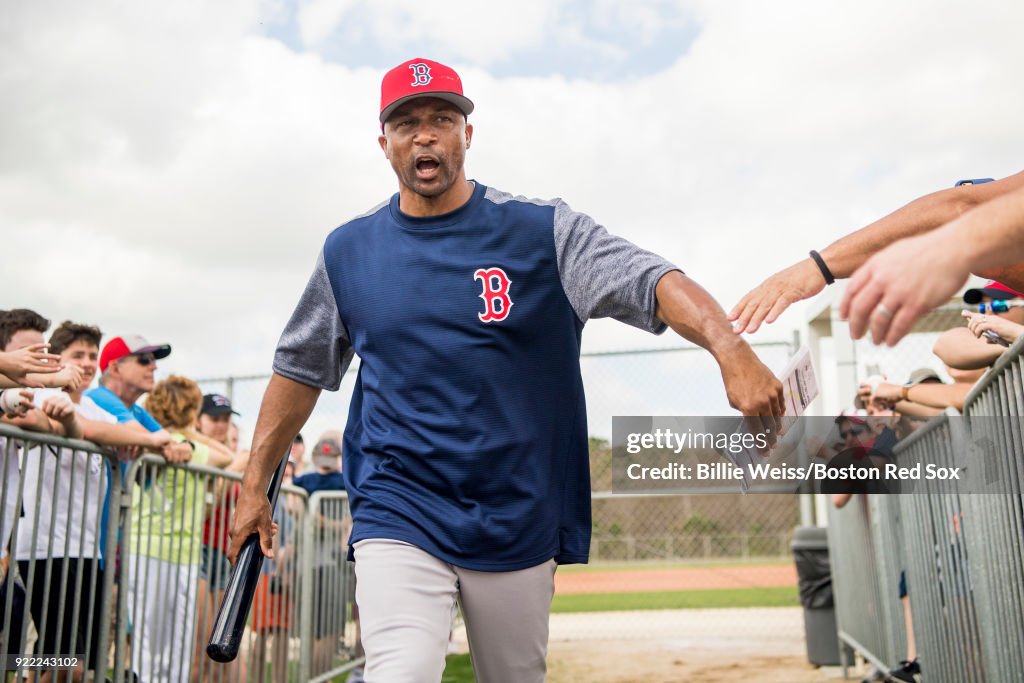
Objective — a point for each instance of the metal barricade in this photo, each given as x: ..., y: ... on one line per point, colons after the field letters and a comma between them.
x: 146, y: 608
x: 161, y: 543
x: 60, y: 553
x: 923, y: 533
x: 327, y: 649
x: 937, y: 522
x: 274, y: 639
x: 961, y: 544
x: 997, y: 537
x: 862, y: 616
x: 886, y: 542
x: 175, y: 534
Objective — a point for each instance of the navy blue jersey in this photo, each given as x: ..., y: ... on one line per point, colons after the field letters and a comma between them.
x: 467, y: 432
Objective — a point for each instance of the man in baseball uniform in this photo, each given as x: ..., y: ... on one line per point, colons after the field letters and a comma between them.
x: 465, y: 451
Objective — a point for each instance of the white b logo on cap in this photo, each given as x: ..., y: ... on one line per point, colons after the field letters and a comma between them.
x: 420, y: 74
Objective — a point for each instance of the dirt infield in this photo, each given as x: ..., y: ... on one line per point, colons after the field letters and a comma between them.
x: 679, y: 646
x: 677, y: 578
x: 682, y: 646
x: 764, y: 644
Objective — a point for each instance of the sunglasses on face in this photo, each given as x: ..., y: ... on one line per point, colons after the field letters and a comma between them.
x: 144, y: 359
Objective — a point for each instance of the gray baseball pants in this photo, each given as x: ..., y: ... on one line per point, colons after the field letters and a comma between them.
x: 405, y: 598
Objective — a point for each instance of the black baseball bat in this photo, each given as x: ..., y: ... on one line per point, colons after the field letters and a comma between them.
x: 245, y: 576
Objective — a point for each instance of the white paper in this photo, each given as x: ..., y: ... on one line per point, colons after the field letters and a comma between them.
x: 799, y: 383
x: 799, y: 388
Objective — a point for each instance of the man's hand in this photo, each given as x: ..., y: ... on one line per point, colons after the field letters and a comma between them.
x: 62, y: 410
x: 252, y: 515
x: 31, y: 359
x: 767, y: 301
x: 978, y: 323
x: 694, y: 315
x: 886, y: 393
x: 69, y: 377
x: 177, y: 453
x: 753, y: 390
x: 158, y: 439
x: 900, y: 284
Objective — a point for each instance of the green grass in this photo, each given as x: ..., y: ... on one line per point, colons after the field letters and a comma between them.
x: 458, y: 670
x: 625, y: 565
x: 785, y: 596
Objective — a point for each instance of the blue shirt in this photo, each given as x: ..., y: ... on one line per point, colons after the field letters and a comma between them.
x: 109, y: 401
x: 467, y: 431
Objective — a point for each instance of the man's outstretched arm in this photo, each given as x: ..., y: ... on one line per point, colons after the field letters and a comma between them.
x: 803, y: 280
x: 286, y: 406
x: 906, y: 280
x: 692, y: 313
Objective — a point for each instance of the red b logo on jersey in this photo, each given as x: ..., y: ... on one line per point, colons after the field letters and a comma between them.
x: 497, y: 303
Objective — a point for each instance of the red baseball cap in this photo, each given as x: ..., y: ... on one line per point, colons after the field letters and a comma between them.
x: 993, y: 290
x: 130, y: 345
x: 858, y: 415
x: 421, y: 78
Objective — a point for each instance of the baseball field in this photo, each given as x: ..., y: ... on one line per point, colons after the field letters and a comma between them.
x: 671, y: 622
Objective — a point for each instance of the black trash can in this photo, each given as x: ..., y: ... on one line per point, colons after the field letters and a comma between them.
x: 814, y: 574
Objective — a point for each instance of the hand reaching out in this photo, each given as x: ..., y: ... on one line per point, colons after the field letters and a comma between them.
x: 159, y: 439
x: 30, y: 359
x: 978, y: 323
x: 899, y: 284
x: 767, y: 301
x: 69, y: 377
x: 177, y: 453
x: 61, y: 409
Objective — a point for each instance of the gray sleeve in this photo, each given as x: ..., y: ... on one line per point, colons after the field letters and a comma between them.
x: 314, y: 348
x: 604, y: 275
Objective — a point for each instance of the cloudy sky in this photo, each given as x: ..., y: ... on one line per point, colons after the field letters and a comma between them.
x: 172, y: 169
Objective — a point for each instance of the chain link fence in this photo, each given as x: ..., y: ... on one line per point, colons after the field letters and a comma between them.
x: 912, y: 352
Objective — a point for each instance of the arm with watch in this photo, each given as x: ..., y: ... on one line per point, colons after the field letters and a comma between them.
x: 840, y: 259
x: 930, y: 395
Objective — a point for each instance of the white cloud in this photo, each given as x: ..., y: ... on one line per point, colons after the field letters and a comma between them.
x: 318, y: 18
x: 168, y: 169
x: 481, y: 33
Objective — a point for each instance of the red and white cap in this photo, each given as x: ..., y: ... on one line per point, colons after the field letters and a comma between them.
x: 130, y: 345
x: 421, y: 78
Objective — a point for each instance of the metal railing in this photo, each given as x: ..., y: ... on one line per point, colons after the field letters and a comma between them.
x: 54, y: 597
x: 865, y: 587
x: 960, y: 545
x: 998, y: 536
x: 144, y: 606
